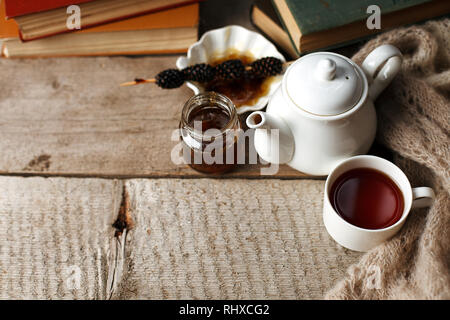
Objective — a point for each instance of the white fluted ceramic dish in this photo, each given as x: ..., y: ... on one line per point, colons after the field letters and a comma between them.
x: 216, y: 42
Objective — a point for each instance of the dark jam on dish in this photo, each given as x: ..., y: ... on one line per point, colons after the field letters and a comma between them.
x: 241, y: 91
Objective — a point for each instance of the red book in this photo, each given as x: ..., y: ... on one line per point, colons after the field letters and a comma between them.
x: 16, y: 8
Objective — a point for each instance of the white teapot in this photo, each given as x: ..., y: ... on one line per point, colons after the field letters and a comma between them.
x: 324, y: 110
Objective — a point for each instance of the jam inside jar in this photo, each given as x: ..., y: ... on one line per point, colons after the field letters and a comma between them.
x: 209, y: 130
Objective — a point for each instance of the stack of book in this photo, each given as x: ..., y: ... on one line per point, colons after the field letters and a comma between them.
x: 301, y: 26
x: 30, y: 28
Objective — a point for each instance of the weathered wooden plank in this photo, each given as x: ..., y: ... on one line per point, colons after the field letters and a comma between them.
x: 230, y: 239
x: 69, y: 117
x: 190, y: 238
x: 55, y: 237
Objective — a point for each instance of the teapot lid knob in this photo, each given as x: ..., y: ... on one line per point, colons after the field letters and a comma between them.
x: 326, y: 69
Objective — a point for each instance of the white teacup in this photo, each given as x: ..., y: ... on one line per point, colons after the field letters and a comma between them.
x: 360, y: 239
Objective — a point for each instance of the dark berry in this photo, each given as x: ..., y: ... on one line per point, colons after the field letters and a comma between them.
x: 231, y: 69
x: 201, y: 72
x: 266, y: 67
x: 170, y: 78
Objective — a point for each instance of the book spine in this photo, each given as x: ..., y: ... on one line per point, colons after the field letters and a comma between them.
x: 274, y: 33
x: 297, y: 49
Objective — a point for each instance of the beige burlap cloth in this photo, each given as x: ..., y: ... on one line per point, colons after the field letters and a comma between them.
x: 414, y: 122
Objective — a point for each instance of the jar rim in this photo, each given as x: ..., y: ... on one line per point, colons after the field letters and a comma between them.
x: 202, y: 98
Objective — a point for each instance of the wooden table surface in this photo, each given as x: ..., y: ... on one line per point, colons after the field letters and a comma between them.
x: 80, y: 123
x: 68, y: 117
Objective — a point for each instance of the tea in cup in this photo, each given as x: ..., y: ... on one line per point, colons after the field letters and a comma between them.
x: 367, y: 200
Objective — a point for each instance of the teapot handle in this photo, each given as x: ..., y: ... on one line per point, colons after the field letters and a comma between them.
x: 389, y: 59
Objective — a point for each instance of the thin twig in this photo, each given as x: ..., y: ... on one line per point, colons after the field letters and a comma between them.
x: 137, y: 81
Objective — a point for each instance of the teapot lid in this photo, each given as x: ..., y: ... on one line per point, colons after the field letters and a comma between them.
x: 324, y: 84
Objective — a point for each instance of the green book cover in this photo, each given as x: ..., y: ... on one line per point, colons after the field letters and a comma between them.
x: 317, y: 15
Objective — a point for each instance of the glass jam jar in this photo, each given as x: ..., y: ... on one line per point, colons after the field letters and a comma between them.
x: 209, y: 131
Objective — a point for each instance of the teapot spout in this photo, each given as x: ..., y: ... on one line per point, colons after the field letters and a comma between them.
x: 274, y: 141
